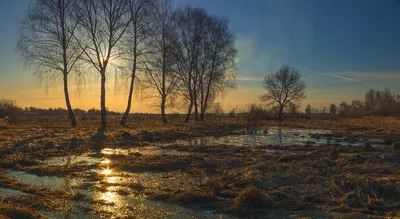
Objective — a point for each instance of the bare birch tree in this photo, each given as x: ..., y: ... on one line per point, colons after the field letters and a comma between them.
x: 46, y: 42
x: 103, y: 24
x: 217, y: 65
x: 284, y: 87
x: 206, y: 58
x: 133, y: 45
x: 160, y: 60
x: 189, y: 24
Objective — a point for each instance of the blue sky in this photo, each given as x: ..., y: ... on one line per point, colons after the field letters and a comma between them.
x: 342, y: 47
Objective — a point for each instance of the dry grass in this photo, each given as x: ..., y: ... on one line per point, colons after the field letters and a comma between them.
x: 305, y: 181
x: 253, y: 198
x: 11, y: 211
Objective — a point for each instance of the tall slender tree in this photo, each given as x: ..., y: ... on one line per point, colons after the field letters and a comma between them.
x: 160, y: 72
x: 217, y: 64
x: 190, y: 24
x: 46, y: 42
x: 133, y: 45
x: 206, y: 58
x: 103, y: 23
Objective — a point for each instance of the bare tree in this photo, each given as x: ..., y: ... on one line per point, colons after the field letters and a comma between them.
x: 46, y: 42
x: 370, y: 101
x: 217, y: 62
x: 103, y: 24
x: 134, y: 44
x: 333, y: 109
x: 284, y: 87
x: 205, y: 55
x: 344, y: 108
x: 160, y: 61
x: 189, y: 24
x: 308, y: 109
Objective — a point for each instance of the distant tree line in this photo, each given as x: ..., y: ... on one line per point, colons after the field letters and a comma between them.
x: 380, y: 103
x: 183, y: 54
x: 9, y: 109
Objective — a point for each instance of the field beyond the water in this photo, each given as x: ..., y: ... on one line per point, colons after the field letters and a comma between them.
x: 343, y: 168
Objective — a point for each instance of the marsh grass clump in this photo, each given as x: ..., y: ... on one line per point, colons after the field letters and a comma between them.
x: 253, y: 198
x: 396, y: 146
x: 136, y: 187
x: 333, y: 154
x: 195, y: 197
x: 9, y: 211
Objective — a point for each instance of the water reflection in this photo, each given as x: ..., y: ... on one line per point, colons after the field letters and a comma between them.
x: 111, y: 180
x: 106, y: 199
x: 278, y: 136
x: 106, y: 172
x: 149, y: 150
x: 105, y: 162
x: 109, y: 197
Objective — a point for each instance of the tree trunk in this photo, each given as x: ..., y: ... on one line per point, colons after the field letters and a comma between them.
x: 164, y: 117
x: 189, y: 111
x: 128, y: 107
x: 103, y: 99
x: 196, y: 111
x: 203, y: 110
x: 69, y: 108
x: 280, y: 113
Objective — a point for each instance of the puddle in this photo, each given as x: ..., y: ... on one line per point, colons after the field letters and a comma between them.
x: 113, y: 193
x: 10, y: 192
x: 85, y: 159
x: 277, y: 137
x: 51, y: 182
x: 154, y: 150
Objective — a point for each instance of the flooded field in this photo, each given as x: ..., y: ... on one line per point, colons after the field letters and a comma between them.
x: 277, y: 136
x: 280, y: 172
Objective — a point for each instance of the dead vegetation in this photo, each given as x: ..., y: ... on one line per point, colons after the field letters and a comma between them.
x: 331, y: 181
x: 8, y: 211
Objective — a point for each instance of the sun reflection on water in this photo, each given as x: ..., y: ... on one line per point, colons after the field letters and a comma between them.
x: 105, y: 162
x: 109, y: 197
x: 106, y: 151
x: 106, y: 172
x: 112, y: 180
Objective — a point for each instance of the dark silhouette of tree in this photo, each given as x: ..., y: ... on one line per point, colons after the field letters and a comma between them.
x: 333, y: 109
x: 308, y: 109
x: 46, y: 42
x: 370, y: 101
x: 205, y: 58
x: 103, y: 23
x: 190, y: 27
x: 284, y: 87
x: 217, y: 63
x: 160, y: 73
x: 134, y: 43
x: 344, y: 109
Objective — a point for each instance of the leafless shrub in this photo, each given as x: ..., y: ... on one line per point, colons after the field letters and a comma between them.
x: 9, y: 111
x: 254, y: 118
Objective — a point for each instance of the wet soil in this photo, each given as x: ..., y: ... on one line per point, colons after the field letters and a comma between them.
x: 200, y: 171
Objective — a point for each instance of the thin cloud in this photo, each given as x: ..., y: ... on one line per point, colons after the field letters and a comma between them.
x: 347, y: 79
x: 250, y: 79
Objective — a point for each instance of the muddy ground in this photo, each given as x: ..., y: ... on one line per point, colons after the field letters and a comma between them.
x: 164, y: 179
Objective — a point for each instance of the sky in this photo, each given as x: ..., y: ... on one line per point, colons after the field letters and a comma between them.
x: 341, y: 47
